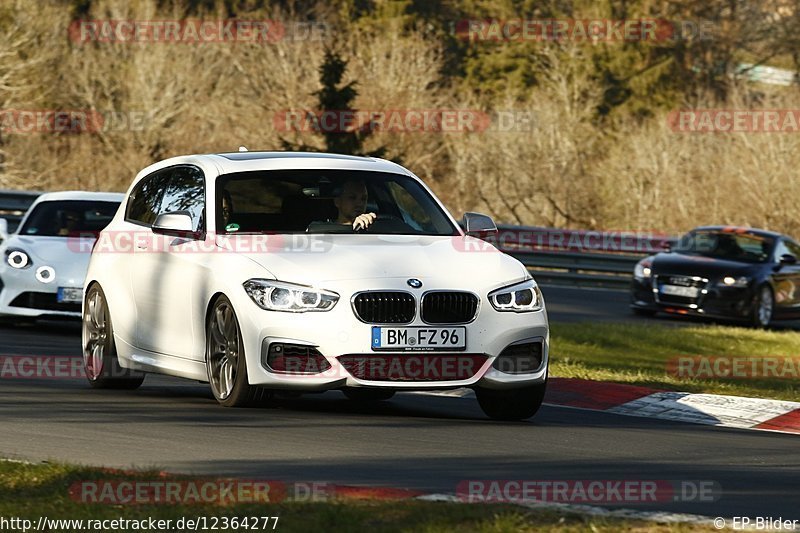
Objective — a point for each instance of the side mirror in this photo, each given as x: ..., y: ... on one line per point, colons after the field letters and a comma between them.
x: 788, y: 259
x: 478, y: 225
x: 3, y: 229
x: 176, y: 223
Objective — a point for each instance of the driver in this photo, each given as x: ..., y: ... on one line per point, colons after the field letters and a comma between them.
x: 351, y: 203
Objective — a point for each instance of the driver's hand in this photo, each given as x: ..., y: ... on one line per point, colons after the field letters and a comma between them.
x: 363, y: 221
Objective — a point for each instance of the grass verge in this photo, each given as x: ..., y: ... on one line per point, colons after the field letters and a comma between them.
x: 639, y: 354
x: 31, y: 491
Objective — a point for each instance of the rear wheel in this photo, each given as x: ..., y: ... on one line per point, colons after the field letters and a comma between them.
x: 225, y: 358
x: 513, y: 404
x: 368, y: 395
x: 100, y: 360
x: 763, y: 307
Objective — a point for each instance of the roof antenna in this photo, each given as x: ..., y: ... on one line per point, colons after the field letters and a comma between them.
x: 242, y: 148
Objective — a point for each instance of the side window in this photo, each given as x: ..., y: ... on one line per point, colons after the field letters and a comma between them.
x: 185, y: 191
x: 794, y: 249
x: 145, y: 198
x: 786, y: 247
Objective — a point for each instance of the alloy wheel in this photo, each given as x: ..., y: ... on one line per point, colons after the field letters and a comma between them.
x: 224, y: 350
x: 95, y: 334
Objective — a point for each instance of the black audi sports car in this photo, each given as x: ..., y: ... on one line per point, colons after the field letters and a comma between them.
x: 722, y: 272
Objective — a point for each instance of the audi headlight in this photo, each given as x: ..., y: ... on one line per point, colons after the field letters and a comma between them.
x: 520, y: 298
x: 289, y: 297
x: 16, y: 258
x: 643, y: 269
x: 738, y: 283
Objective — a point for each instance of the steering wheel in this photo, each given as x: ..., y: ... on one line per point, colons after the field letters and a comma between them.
x: 388, y: 223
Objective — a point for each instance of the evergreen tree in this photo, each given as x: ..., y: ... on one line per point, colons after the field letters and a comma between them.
x: 337, y: 98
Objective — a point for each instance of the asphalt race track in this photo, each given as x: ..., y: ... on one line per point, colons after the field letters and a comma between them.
x: 415, y: 441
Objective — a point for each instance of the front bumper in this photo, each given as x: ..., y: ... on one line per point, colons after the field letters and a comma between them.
x: 21, y: 294
x: 339, y: 336
x: 715, y: 302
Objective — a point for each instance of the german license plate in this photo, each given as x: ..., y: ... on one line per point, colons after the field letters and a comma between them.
x: 677, y: 290
x: 69, y: 295
x: 419, y: 339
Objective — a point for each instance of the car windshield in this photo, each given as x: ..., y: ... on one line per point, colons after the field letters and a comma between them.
x: 326, y: 201
x: 62, y: 218
x: 729, y: 245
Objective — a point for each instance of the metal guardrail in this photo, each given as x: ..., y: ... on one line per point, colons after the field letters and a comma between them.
x: 579, y: 258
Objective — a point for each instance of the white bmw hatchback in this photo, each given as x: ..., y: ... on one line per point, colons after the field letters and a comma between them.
x: 263, y: 271
x: 44, y: 263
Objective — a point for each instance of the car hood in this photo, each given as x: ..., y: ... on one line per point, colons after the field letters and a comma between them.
x: 458, y: 261
x: 707, y: 267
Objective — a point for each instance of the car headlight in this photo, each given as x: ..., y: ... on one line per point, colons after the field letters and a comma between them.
x: 16, y: 258
x: 289, y: 297
x: 520, y: 298
x: 643, y: 269
x: 738, y: 283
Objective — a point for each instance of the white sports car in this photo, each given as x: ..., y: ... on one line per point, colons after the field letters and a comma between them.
x: 44, y: 263
x: 259, y: 271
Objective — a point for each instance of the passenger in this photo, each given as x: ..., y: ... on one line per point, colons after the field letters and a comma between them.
x: 227, y: 208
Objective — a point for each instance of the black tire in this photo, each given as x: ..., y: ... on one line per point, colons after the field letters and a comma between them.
x: 100, y: 361
x: 512, y: 404
x: 649, y: 313
x: 368, y: 395
x: 226, y: 363
x: 763, y: 307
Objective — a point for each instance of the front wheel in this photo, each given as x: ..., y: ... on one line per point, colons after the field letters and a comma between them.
x: 225, y: 358
x: 513, y: 404
x: 763, y: 307
x: 100, y: 360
